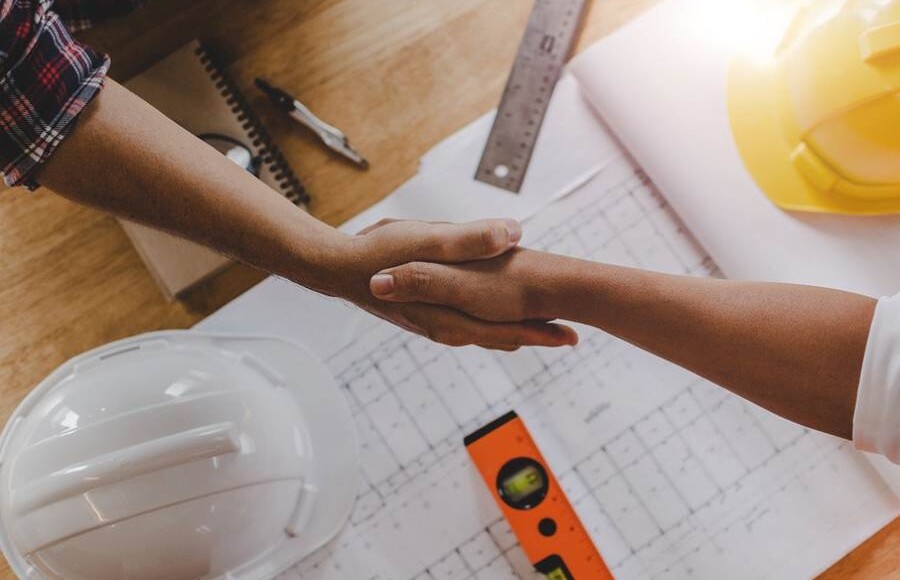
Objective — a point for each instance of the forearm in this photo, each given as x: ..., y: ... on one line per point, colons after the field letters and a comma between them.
x: 127, y: 158
x: 796, y: 350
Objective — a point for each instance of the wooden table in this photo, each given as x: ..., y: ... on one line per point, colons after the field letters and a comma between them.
x: 396, y: 75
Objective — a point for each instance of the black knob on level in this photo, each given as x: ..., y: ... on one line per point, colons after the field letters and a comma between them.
x: 547, y: 527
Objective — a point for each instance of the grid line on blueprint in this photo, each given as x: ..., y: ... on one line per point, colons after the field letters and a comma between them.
x: 664, y: 480
x: 417, y: 399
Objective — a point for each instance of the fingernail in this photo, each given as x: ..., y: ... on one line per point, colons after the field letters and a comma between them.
x: 513, y: 232
x: 381, y: 284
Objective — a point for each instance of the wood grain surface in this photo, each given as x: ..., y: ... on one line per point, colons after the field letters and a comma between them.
x: 396, y: 75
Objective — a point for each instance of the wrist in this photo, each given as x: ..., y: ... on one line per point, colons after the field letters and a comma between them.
x: 554, y: 284
x: 603, y: 295
x: 326, y: 264
x: 574, y: 289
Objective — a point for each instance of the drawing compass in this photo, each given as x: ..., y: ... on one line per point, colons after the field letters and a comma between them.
x: 331, y: 136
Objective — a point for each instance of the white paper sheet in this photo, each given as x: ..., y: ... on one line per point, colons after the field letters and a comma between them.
x: 659, y: 83
x: 673, y: 477
x: 570, y: 149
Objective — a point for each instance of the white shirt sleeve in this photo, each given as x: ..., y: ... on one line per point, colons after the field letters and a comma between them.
x: 876, y: 420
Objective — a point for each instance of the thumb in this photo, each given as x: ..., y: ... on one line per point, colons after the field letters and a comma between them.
x: 418, y: 282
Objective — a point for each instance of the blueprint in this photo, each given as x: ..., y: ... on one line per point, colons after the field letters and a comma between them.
x: 673, y: 477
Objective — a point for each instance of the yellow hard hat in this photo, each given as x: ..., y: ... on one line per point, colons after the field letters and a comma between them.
x: 817, y: 117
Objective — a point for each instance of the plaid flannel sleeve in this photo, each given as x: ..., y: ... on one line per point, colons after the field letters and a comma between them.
x: 46, y: 80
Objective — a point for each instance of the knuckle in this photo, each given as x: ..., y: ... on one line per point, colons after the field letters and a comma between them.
x: 416, y: 279
x: 489, y: 239
x: 454, y: 295
x: 437, y: 246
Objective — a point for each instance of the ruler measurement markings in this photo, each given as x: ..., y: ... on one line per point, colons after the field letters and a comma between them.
x: 545, y: 46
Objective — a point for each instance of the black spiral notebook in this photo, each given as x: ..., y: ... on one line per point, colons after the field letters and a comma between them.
x: 189, y: 87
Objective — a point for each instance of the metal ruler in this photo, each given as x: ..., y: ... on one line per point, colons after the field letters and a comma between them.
x: 552, y: 28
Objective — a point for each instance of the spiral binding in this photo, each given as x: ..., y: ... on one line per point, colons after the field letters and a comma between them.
x: 287, y: 181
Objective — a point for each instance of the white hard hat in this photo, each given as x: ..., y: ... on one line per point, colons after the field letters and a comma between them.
x: 176, y: 455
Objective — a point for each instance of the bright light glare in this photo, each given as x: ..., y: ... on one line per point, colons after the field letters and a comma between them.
x: 747, y: 28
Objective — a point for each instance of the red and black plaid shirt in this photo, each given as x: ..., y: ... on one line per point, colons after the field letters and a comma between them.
x: 46, y: 77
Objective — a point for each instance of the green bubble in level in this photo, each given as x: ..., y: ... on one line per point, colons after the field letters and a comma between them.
x: 523, y: 483
x: 557, y: 574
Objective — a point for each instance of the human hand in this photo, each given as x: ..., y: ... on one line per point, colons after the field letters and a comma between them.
x: 517, y: 285
x: 389, y: 244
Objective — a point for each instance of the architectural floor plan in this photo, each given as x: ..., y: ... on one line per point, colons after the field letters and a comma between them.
x: 672, y: 476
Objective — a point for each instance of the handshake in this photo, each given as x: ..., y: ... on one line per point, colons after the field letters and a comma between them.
x: 457, y: 284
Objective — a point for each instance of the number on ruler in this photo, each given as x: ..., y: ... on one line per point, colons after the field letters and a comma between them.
x: 547, y: 41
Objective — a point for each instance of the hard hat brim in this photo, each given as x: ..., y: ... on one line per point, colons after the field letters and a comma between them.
x: 766, y: 145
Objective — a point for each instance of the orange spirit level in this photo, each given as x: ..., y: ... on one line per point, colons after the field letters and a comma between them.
x: 532, y: 501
